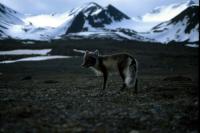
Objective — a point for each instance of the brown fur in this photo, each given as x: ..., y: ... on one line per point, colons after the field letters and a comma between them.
x: 106, y: 63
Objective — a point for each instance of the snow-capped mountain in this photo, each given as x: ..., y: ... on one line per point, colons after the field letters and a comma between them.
x: 92, y: 15
x: 18, y: 26
x: 158, y: 15
x: 94, y: 21
x: 91, y: 19
x: 182, y: 28
x: 165, y: 13
x: 8, y: 17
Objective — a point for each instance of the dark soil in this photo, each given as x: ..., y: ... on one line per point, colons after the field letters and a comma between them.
x: 60, y: 96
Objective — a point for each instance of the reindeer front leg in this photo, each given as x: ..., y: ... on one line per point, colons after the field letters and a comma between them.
x: 105, y: 77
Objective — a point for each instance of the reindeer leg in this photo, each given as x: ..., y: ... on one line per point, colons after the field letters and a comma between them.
x: 136, y: 86
x: 123, y: 78
x: 105, y: 77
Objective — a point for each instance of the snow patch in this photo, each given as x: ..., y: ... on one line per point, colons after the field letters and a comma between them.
x: 46, y: 20
x: 37, y: 58
x: 96, y: 12
x: 25, y: 52
x: 192, y: 45
x: 124, y: 35
x: 28, y: 42
x: 133, y: 24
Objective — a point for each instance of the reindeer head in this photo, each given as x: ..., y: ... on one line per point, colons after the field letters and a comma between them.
x: 90, y: 58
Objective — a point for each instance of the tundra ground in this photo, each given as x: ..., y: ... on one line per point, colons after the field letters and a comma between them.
x: 60, y: 96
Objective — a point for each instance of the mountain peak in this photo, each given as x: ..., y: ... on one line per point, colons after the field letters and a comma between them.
x: 166, y: 12
x: 190, y: 2
x: 110, y: 6
x: 87, y: 8
x: 117, y: 14
x: 182, y: 28
x: 92, y: 4
x: 93, y: 15
x: 189, y: 13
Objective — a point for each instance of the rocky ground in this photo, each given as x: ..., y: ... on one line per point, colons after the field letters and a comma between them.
x: 60, y: 96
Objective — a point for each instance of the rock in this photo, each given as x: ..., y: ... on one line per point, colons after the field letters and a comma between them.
x: 50, y: 81
x: 27, y: 78
x: 100, y: 128
x: 177, y: 78
x: 134, y: 131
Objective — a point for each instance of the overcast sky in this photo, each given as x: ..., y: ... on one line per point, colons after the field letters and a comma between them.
x: 130, y: 7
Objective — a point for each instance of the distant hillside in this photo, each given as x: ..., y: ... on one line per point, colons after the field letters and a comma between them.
x: 92, y: 21
x: 182, y: 28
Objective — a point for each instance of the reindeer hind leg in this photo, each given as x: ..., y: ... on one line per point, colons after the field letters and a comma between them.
x: 123, y: 78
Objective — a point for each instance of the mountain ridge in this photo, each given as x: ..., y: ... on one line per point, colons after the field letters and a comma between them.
x: 167, y: 12
x: 182, y: 28
x: 94, y: 21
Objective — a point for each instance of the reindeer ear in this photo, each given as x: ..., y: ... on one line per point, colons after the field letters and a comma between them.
x: 96, y: 52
